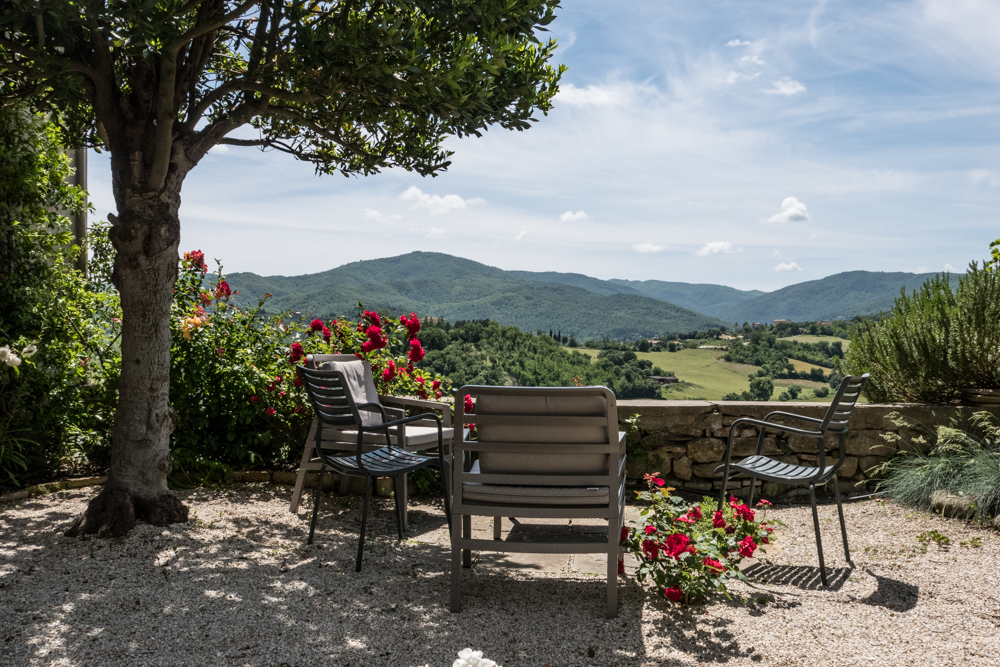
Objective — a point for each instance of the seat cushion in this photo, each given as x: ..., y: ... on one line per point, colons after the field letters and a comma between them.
x: 417, y: 437
x: 553, y: 496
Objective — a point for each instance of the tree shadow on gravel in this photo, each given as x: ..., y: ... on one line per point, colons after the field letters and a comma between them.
x: 799, y: 576
x: 705, y: 639
x: 234, y: 587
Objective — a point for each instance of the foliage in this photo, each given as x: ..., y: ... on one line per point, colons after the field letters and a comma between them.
x: 761, y: 388
x: 688, y: 553
x: 960, y: 461
x: 233, y: 381
x: 483, y: 352
x: 933, y: 342
x: 54, y: 404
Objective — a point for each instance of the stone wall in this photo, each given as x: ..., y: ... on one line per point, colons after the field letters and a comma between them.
x: 686, y: 440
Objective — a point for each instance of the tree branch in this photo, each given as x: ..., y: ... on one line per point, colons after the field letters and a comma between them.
x: 164, y: 137
x: 199, y: 30
x: 243, y: 142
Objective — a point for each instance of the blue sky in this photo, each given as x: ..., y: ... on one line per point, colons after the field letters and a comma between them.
x: 752, y: 144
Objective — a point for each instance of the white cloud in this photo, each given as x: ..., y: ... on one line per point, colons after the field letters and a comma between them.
x: 787, y: 266
x: 714, y: 248
x: 593, y: 96
x: 751, y: 60
x: 521, y: 235
x: 372, y: 214
x: 776, y: 254
x: 430, y: 232
x: 734, y: 77
x: 736, y: 42
x: 436, y: 203
x: 220, y: 149
x: 792, y: 210
x: 648, y: 248
x: 949, y: 267
x: 785, y: 87
x: 984, y: 177
x: 570, y: 216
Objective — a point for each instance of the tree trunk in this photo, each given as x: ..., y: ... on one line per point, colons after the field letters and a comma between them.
x: 146, y: 235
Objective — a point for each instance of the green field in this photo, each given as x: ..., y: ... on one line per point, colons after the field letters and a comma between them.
x: 705, y: 376
x: 806, y: 338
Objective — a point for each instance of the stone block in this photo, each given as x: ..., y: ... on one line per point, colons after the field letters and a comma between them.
x: 253, y: 476
x: 660, y: 461
x: 705, y: 450
x: 800, y: 443
x: 952, y: 506
x: 699, y: 485
x: 682, y: 468
x: 285, y: 477
x: 866, y: 463
x: 635, y: 468
x: 850, y: 467
x: 705, y: 470
x: 996, y: 522
x: 748, y: 447
x: 663, y: 439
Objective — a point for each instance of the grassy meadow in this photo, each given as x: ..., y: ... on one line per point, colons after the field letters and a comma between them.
x: 704, y: 375
x: 806, y: 338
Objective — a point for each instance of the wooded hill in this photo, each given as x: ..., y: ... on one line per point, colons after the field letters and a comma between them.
x: 441, y: 285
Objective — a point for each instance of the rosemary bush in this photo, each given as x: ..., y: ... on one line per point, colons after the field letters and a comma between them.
x: 933, y: 342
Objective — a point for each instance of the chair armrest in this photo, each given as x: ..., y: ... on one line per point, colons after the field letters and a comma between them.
x: 773, y: 427
x: 444, y: 408
x: 792, y: 416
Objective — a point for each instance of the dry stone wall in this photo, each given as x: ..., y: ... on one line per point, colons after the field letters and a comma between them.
x: 685, y: 441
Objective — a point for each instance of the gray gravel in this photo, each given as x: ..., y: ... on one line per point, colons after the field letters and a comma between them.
x: 237, y: 586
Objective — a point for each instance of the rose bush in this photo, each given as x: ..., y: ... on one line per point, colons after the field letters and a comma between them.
x: 688, y: 553
x: 233, y: 381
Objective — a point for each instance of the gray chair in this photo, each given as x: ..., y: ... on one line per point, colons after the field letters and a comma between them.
x: 337, y: 401
x: 416, y: 436
x: 543, y: 452
x: 771, y: 470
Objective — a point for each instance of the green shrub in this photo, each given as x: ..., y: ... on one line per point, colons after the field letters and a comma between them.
x: 933, y: 342
x: 948, y: 458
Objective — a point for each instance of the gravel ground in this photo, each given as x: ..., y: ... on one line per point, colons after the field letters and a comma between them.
x: 237, y: 586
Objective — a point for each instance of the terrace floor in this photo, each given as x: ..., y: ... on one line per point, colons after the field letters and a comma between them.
x: 236, y: 585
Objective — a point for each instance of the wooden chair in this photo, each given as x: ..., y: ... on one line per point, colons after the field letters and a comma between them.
x: 772, y: 470
x: 415, y: 436
x: 550, y: 452
x: 338, y: 398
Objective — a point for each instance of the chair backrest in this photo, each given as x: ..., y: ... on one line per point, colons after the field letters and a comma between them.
x: 543, y: 430
x: 357, y: 374
x: 843, y: 403
x: 329, y: 395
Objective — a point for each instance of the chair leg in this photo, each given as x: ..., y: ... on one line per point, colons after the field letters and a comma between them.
x: 497, y: 527
x: 843, y: 527
x: 722, y: 493
x: 614, y: 550
x: 456, y: 574
x: 345, y: 484
x: 319, y: 493
x: 405, y: 496
x: 750, y: 497
x: 300, y: 478
x: 447, y: 503
x: 398, y: 497
x: 364, y: 521
x: 819, y: 541
x: 466, y: 534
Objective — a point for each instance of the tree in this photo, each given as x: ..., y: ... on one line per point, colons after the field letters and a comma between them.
x: 350, y: 86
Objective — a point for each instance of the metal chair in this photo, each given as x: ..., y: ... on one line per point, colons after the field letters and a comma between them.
x: 331, y: 394
x: 779, y: 472
x: 416, y: 436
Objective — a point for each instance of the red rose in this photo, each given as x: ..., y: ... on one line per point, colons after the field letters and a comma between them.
x: 696, y: 512
x: 270, y: 412
x: 222, y: 290
x: 254, y: 399
x: 196, y: 260
x: 298, y: 410
x: 658, y: 481
x: 269, y: 387
x: 650, y: 530
x: 205, y: 297
x: 673, y: 594
x: 730, y: 530
x: 326, y: 334
x: 281, y: 394
x: 621, y: 566
x: 677, y: 544
x: 366, y: 347
x: 713, y: 565
x: 316, y: 325
x: 763, y: 503
x: 469, y: 405
x: 298, y: 382
x: 744, y: 512
x: 624, y: 534
x: 435, y: 385
x: 297, y: 353
x: 416, y: 351
x: 277, y: 379
x: 718, y: 521
x: 747, y: 547
x: 437, y: 394
x: 687, y: 518
x: 651, y: 548
x: 412, y: 325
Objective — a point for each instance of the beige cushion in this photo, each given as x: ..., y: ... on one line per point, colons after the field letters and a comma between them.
x: 358, y: 375
x: 417, y: 437
x: 503, y: 494
x: 541, y: 463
